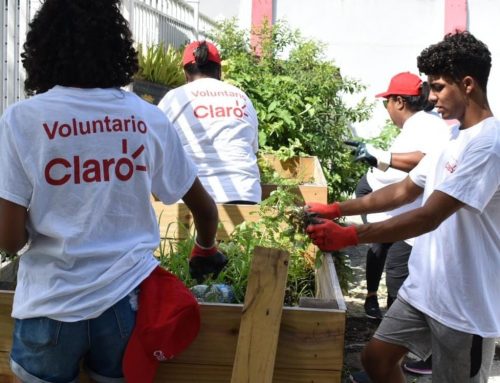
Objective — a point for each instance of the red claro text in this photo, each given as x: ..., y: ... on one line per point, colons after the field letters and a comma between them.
x: 78, y: 169
x: 211, y: 111
x: 104, y: 125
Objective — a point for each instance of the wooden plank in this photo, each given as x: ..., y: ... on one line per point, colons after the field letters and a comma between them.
x: 327, y: 283
x: 311, y: 339
x: 6, y: 375
x: 173, y: 219
x: 6, y: 321
x: 261, y: 317
x: 318, y: 303
x: 301, y: 168
x: 176, y: 373
x: 309, y: 193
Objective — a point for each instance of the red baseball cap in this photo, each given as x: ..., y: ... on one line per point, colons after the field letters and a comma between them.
x: 188, y: 57
x: 168, y: 320
x: 403, y: 84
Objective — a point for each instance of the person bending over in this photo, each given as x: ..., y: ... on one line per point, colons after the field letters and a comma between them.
x: 217, y: 125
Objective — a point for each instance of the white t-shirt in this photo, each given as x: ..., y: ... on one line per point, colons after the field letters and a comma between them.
x: 85, y: 162
x: 423, y: 131
x: 217, y: 125
x: 454, y: 270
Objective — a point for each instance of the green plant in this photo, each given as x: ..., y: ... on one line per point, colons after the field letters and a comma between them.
x: 386, y: 136
x: 298, y: 98
x: 4, y: 256
x: 161, y: 65
x: 275, y: 228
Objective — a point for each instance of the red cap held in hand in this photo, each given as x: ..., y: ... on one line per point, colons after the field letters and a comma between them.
x: 189, y: 57
x: 403, y: 84
x: 168, y: 320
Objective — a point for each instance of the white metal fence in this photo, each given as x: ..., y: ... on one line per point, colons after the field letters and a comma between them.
x: 152, y: 21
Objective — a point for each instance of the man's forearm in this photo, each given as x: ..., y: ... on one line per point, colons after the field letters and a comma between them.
x: 406, y: 161
x: 404, y: 226
x: 438, y: 207
x: 385, y: 199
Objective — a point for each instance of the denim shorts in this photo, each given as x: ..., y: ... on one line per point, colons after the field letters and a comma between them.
x: 49, y: 351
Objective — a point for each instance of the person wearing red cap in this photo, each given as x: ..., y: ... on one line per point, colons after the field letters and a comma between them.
x: 448, y: 305
x: 79, y: 162
x: 406, y: 101
x: 217, y: 125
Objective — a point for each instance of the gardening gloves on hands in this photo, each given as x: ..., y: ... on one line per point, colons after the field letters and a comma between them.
x: 204, y: 262
x: 326, y: 234
x: 331, y: 211
x: 373, y: 156
x: 329, y: 236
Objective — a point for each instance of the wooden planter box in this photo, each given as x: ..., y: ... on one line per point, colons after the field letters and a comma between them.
x: 310, y: 344
x: 149, y: 91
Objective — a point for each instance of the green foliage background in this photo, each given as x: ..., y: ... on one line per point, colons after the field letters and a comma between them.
x: 160, y: 64
x: 298, y: 98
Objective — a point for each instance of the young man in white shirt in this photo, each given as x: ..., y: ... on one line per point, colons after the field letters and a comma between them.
x: 448, y: 305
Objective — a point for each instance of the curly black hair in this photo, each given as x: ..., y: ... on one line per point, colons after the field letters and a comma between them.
x: 202, y: 64
x: 78, y: 43
x: 458, y: 55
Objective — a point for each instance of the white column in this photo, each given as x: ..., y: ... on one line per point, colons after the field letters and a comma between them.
x: 128, y: 13
x: 196, y: 17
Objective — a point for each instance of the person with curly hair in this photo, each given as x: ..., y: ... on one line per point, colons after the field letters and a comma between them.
x: 79, y: 162
x: 448, y: 305
x: 218, y: 127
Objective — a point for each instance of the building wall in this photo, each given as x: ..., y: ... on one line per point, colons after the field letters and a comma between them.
x: 371, y: 40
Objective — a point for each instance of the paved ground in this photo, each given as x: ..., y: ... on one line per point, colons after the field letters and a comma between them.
x: 360, y: 327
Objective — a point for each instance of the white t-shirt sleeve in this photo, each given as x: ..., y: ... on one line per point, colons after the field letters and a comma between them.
x: 165, y: 105
x: 176, y: 173
x: 15, y: 185
x: 477, y: 177
x: 419, y: 173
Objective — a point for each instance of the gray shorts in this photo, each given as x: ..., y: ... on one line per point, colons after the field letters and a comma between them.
x: 457, y: 357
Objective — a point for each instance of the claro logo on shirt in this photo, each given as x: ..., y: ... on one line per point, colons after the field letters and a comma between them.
x: 211, y: 111
x: 451, y: 165
x: 80, y: 169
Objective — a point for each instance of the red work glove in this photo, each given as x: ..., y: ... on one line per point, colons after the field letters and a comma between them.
x: 205, y: 261
x: 329, y: 236
x: 331, y: 211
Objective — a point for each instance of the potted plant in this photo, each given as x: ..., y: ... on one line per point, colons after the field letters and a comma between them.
x: 160, y: 69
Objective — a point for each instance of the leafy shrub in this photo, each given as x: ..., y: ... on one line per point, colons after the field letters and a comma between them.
x: 278, y: 226
x: 298, y: 98
x: 386, y: 136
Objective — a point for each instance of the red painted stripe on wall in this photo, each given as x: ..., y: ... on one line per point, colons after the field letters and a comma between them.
x: 261, y: 10
x: 455, y: 16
